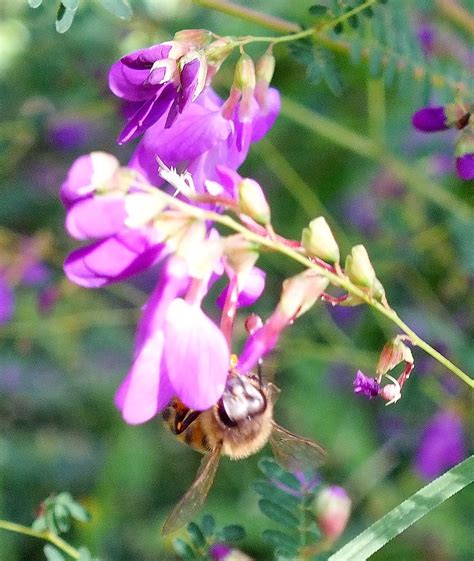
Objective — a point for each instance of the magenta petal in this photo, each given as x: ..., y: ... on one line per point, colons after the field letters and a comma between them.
x: 251, y: 292
x: 196, y: 355
x: 148, y: 113
x: 146, y: 389
x: 265, y: 118
x: 96, y: 217
x: 111, y: 260
x: 189, y: 78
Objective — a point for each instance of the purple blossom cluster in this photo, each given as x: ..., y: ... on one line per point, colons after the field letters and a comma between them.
x: 179, y: 350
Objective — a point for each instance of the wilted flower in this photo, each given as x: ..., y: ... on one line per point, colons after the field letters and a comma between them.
x: 442, y: 445
x: 368, y: 387
x: 333, y: 508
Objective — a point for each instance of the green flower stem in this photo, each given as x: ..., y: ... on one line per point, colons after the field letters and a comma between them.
x: 337, y: 280
x: 46, y: 535
x: 367, y: 148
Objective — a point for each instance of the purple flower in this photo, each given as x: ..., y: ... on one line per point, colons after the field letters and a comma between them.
x: 178, y: 351
x: 430, y: 119
x: 368, y: 387
x: 442, y: 445
x: 159, y: 81
x: 251, y: 289
x: 96, y: 208
x: 7, y: 301
x: 202, y: 138
x: 465, y: 166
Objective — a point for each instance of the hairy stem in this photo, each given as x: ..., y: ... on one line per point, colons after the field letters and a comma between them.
x: 46, y: 535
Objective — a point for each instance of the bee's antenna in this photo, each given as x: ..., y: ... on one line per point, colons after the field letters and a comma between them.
x: 259, y: 372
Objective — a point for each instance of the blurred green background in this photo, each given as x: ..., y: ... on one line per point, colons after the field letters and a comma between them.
x: 65, y: 349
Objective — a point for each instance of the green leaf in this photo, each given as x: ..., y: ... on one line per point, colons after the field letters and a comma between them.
x: 62, y: 517
x: 233, y: 533
x: 197, y: 537
x: 275, y: 494
x: 274, y: 471
x: 35, y: 3
x: 318, y: 10
x: 302, y: 51
x: 338, y: 28
x: 53, y: 554
x: 407, y: 513
x: 119, y: 8
x: 184, y: 549
x: 208, y: 525
x: 278, y: 513
x: 280, y: 540
x: 78, y: 512
x: 64, y: 18
x: 331, y: 72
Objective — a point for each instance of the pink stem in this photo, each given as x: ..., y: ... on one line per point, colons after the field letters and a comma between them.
x: 230, y: 309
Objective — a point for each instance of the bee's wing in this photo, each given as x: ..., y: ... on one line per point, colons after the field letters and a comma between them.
x: 194, y: 498
x: 294, y: 452
x: 273, y: 392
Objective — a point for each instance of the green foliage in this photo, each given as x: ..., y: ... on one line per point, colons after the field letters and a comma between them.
x: 201, y: 537
x: 287, y: 501
x: 407, y: 513
x: 384, y: 37
x: 53, y: 554
x: 58, y: 512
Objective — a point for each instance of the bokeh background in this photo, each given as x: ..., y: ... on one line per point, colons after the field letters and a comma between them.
x: 65, y: 349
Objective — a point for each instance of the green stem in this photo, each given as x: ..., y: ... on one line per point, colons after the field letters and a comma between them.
x: 46, y: 535
x: 247, y: 14
x: 337, y: 280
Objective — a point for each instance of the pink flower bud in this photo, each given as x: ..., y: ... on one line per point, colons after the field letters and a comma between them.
x: 252, y: 201
x: 222, y: 552
x: 319, y: 241
x: 333, y: 508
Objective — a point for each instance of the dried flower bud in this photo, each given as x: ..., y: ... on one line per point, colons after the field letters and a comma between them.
x: 319, y: 241
x: 393, y: 353
x: 252, y: 201
x: 333, y: 508
x: 359, y: 268
x: 195, y: 37
x: 300, y: 292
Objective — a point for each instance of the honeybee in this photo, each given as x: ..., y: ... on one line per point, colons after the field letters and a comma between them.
x: 237, y: 426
